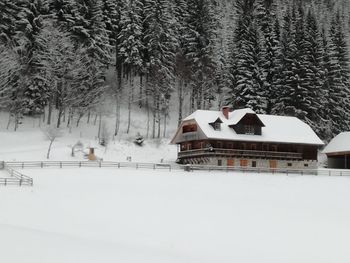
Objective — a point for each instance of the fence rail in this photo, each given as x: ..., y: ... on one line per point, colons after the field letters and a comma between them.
x: 20, y: 179
x: 321, y: 172
x: 58, y: 164
x: 16, y: 178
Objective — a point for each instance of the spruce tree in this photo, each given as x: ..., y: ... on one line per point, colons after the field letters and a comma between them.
x: 160, y: 47
x: 200, y: 43
x: 249, y: 89
x: 339, y: 77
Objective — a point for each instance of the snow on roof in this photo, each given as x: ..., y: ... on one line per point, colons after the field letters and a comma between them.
x: 280, y: 129
x: 340, y: 143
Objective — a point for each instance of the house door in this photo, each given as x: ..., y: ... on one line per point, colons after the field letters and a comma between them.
x: 273, y: 164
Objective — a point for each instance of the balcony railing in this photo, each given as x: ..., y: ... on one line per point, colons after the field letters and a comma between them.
x: 239, y: 153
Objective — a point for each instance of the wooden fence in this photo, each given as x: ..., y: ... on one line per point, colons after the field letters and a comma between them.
x: 78, y: 164
x: 20, y: 179
x: 316, y: 172
x: 16, y: 178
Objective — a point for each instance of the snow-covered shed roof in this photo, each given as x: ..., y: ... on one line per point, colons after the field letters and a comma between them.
x: 279, y: 129
x: 339, y: 144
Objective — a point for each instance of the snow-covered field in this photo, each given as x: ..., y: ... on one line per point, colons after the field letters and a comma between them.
x: 110, y: 215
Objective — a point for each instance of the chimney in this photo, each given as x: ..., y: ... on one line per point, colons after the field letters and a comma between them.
x: 225, y: 110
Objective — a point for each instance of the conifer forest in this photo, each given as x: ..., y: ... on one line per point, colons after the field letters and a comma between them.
x: 284, y: 57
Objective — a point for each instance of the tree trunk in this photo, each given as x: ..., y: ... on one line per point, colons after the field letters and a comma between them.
x: 180, y: 95
x: 158, y: 117
x: 49, y: 150
x: 88, y: 117
x: 9, y: 122
x: 130, y: 98
x: 79, y: 118
x: 99, y: 127
x: 165, y: 119
x: 141, y: 92
x: 154, y: 124
x: 49, y: 115
x: 148, y: 116
x: 117, y: 115
x: 60, y: 112
x: 95, y: 120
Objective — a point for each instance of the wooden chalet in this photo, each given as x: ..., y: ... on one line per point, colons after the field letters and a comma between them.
x: 244, y: 138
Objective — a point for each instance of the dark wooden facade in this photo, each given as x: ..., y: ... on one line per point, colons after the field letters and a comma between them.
x: 286, y: 151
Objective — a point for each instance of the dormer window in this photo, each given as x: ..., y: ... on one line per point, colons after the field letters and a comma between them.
x: 249, y: 129
x: 216, y: 124
x: 249, y: 124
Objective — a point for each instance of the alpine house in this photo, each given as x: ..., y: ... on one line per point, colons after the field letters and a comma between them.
x: 246, y: 139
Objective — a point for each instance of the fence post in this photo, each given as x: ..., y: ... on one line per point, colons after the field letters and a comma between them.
x: 118, y: 165
x: 20, y: 182
x: 329, y: 173
x: 5, y: 181
x: 137, y: 165
x: 42, y: 164
x: 22, y: 165
x: 79, y: 164
x: 169, y: 167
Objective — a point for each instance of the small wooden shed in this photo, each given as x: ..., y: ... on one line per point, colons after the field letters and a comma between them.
x: 338, y: 151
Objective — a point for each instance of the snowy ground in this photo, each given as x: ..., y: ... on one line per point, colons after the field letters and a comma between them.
x: 108, y: 215
x: 31, y: 144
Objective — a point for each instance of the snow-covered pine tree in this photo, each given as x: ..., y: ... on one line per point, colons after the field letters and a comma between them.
x: 35, y: 93
x: 313, y: 63
x: 130, y: 48
x: 89, y: 32
x: 63, y: 12
x: 269, y: 25
x: 338, y: 73
x: 249, y: 86
x: 160, y: 47
x: 200, y: 43
x: 10, y: 15
x: 293, y: 87
x: 111, y: 18
x: 182, y: 66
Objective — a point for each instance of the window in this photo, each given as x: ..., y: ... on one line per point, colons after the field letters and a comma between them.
x: 306, y: 165
x: 289, y: 164
x: 243, y: 162
x: 219, y: 145
x: 253, y: 163
x: 253, y: 147
x: 189, y: 128
x: 230, y: 162
x: 219, y: 162
x: 274, y: 148
x: 217, y: 126
x: 249, y: 129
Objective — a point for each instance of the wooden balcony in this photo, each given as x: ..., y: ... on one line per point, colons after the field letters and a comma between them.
x: 240, y: 154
